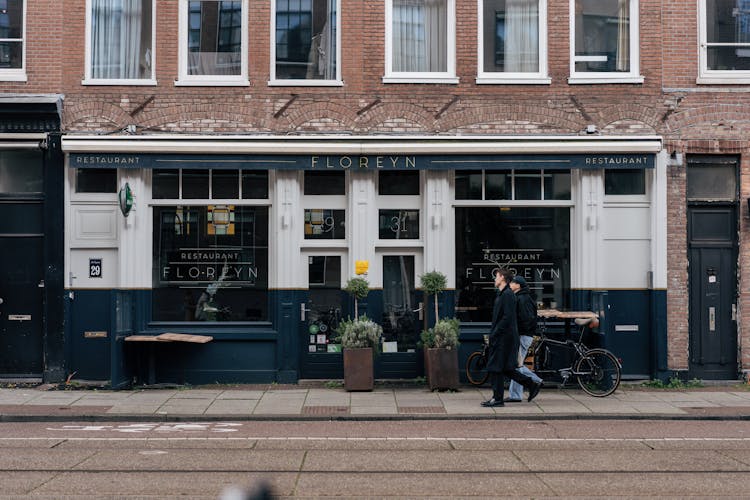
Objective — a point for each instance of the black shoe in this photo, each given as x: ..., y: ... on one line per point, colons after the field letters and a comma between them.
x: 492, y: 403
x: 533, y: 391
x: 508, y: 400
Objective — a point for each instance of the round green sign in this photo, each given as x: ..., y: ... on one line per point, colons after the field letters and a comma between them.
x: 313, y: 329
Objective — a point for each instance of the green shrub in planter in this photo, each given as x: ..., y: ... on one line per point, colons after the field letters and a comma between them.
x: 443, y: 334
x: 359, y: 333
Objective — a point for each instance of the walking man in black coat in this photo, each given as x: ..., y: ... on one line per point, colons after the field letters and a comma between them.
x: 503, y: 352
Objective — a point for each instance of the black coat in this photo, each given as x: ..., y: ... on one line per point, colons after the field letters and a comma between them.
x: 503, y: 352
x: 526, y: 312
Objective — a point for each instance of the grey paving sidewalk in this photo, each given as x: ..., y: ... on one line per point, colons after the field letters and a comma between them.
x: 300, y: 402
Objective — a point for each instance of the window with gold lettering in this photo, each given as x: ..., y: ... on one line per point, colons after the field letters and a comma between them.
x: 210, y: 263
x: 533, y: 242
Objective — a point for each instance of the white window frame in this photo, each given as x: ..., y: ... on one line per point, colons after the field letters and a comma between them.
x: 17, y: 74
x: 589, y: 77
x: 449, y: 76
x: 540, y: 77
x: 706, y: 75
x: 400, y: 202
x: 336, y: 82
x: 88, y: 80
x: 186, y: 80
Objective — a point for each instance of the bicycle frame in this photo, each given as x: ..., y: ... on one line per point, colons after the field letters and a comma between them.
x: 565, y: 373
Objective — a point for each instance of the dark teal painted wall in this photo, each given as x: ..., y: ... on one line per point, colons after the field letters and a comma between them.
x: 272, y: 351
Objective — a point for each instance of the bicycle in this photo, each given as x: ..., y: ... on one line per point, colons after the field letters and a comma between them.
x: 597, y: 371
x: 476, y: 364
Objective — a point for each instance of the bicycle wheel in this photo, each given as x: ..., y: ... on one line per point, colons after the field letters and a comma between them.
x: 476, y: 369
x: 598, y: 372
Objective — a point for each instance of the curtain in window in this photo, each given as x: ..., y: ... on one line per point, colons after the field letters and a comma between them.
x: 623, y: 35
x: 322, y: 57
x: 420, y: 31
x: 522, y: 36
x: 116, y: 39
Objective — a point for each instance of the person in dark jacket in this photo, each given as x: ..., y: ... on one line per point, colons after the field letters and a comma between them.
x: 526, y: 316
x: 503, y: 349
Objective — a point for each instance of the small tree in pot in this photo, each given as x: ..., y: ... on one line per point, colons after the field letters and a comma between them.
x: 360, y: 339
x: 440, y: 341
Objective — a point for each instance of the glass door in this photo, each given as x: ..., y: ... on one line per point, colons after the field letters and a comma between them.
x: 401, y: 323
x: 321, y: 355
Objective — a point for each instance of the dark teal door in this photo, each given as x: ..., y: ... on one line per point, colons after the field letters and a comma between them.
x: 713, y: 290
x: 713, y: 242
x: 319, y: 317
x: 21, y: 264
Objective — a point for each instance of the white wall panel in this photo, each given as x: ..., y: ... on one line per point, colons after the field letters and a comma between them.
x: 625, y: 264
x: 626, y: 222
x: 79, y: 267
x: 94, y: 225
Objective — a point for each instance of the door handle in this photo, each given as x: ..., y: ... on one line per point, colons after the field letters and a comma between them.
x: 712, y: 319
x: 302, y: 311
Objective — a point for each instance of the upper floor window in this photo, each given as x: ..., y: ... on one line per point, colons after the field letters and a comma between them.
x: 604, y: 41
x: 420, y: 41
x: 306, y: 43
x: 12, y: 47
x: 513, y: 41
x: 119, y: 42
x: 724, y: 41
x: 213, y: 42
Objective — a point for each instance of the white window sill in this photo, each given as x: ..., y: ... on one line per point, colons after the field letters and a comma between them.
x: 579, y: 80
x: 483, y: 80
x: 399, y: 244
x: 12, y: 76
x: 322, y: 244
x: 421, y: 79
x: 305, y: 83
x: 212, y: 83
x: 99, y: 81
x: 723, y: 80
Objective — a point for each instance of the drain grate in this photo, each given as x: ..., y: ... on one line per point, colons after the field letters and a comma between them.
x: 421, y: 409
x: 325, y: 410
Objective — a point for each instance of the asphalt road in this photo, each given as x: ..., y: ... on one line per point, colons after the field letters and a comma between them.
x: 408, y: 459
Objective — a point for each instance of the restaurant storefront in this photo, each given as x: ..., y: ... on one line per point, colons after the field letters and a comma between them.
x: 250, y: 240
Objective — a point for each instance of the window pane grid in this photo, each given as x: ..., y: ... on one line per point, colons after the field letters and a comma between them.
x: 513, y: 185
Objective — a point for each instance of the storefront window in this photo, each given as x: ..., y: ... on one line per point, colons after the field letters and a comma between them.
x: 210, y: 263
x: 398, y: 224
x: 216, y: 184
x: 325, y: 183
x: 96, y: 180
x: 625, y: 182
x: 323, y: 224
x: 195, y: 184
x: 532, y: 242
x: 513, y: 185
x: 398, y: 183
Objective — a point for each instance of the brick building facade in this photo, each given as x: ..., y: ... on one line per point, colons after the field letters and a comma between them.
x: 690, y: 118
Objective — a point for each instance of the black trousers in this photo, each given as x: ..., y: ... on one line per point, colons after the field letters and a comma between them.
x: 498, y: 381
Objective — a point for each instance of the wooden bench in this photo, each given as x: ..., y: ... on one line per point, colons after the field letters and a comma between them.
x: 164, y: 338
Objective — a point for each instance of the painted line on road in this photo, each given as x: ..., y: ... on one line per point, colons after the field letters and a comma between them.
x: 379, y: 439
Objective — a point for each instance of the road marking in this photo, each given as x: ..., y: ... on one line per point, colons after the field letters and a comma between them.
x: 218, y: 427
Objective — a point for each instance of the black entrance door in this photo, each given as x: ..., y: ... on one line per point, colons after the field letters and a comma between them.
x: 21, y: 264
x: 712, y: 232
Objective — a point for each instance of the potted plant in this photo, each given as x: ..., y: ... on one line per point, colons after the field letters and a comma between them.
x: 441, y: 341
x: 360, y: 339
